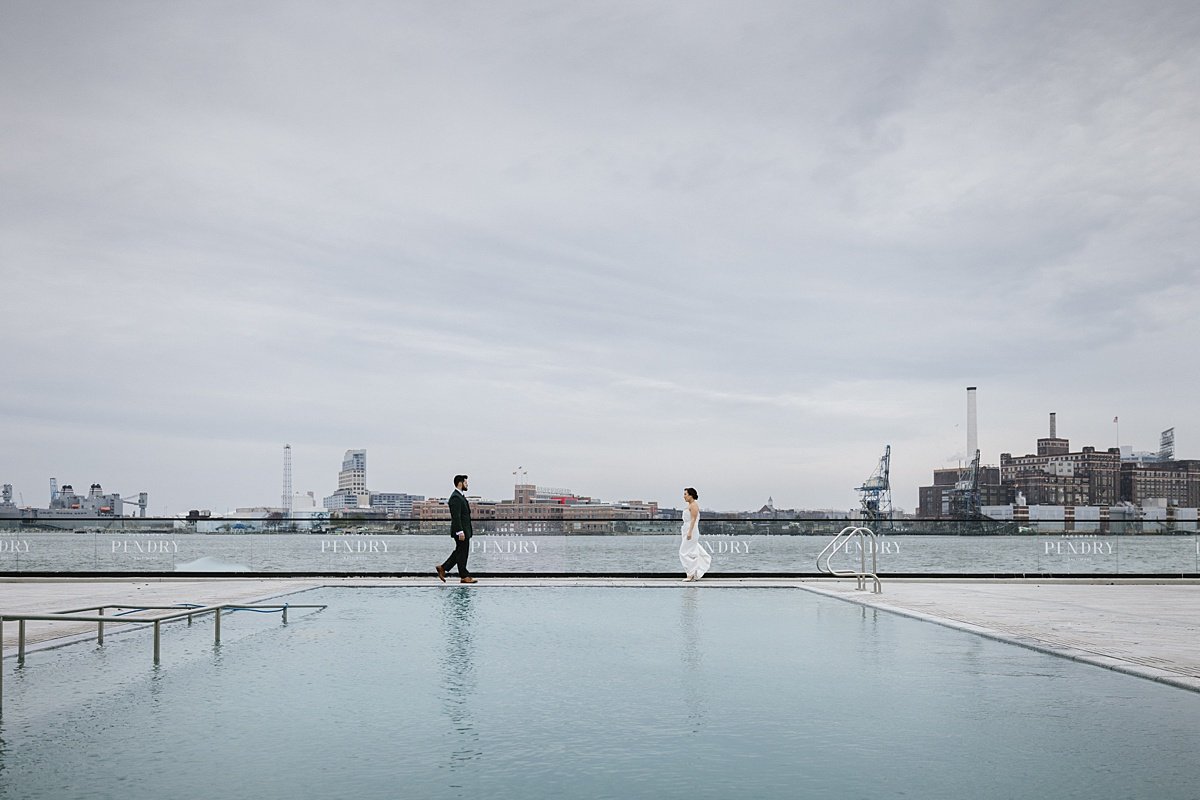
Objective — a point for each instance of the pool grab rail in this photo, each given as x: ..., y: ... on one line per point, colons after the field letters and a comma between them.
x: 178, y: 611
x: 867, y: 540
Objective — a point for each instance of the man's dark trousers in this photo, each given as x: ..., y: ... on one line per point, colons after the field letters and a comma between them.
x: 460, y: 520
x: 462, y: 549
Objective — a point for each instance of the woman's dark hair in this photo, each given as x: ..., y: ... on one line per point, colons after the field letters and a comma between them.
x: 692, y: 492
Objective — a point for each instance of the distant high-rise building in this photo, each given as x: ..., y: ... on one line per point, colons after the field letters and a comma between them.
x: 352, y: 483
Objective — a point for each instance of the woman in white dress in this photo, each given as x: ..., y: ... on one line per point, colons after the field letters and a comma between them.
x: 695, y: 559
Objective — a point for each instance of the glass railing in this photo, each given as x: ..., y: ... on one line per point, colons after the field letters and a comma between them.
x: 739, y: 547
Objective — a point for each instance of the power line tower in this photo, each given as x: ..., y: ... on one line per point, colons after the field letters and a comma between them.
x: 286, y: 505
x: 875, y: 494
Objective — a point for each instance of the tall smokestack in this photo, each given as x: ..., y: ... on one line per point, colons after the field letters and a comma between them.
x: 1053, y: 427
x: 287, y: 482
x: 972, y: 424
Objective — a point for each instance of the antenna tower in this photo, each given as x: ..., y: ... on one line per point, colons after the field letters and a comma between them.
x: 287, y: 482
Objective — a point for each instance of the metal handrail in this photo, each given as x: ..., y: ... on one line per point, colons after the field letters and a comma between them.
x: 867, y: 540
x: 179, y: 611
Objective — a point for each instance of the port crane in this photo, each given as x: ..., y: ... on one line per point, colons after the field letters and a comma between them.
x: 143, y: 500
x: 964, y: 498
x: 875, y: 494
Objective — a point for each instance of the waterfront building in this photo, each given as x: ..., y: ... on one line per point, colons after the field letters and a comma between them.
x: 1094, y: 492
x: 256, y: 519
x: 352, y: 494
x: 1174, y: 483
x: 394, y: 503
x: 1160, y: 516
x: 306, y: 501
x: 536, y: 509
x: 352, y: 483
x: 1057, y: 476
x: 937, y: 500
x: 1122, y: 518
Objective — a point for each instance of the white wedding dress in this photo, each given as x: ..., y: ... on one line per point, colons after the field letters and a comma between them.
x: 695, y: 559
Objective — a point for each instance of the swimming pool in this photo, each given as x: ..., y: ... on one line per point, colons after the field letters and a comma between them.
x: 452, y: 691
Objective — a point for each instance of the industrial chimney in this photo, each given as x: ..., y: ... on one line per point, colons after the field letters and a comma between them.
x: 286, y: 497
x: 1052, y: 445
x: 972, y: 424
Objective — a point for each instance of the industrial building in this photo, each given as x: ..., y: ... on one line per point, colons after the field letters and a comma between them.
x: 1057, y: 476
x: 1176, y: 483
x: 938, y: 501
x: 1102, y: 490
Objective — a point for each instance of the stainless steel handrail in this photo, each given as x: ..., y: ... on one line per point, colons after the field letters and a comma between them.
x: 179, y: 611
x: 867, y: 540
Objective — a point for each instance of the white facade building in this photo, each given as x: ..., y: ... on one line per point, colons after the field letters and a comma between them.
x: 352, y: 483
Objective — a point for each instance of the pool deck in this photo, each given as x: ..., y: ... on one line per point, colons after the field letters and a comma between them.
x: 1147, y: 629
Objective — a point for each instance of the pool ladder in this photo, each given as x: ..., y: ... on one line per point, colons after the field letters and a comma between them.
x: 866, y: 541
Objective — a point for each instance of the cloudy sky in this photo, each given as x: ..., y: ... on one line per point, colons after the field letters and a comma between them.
x: 628, y: 246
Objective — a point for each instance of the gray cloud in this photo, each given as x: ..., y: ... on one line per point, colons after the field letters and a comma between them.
x: 629, y: 246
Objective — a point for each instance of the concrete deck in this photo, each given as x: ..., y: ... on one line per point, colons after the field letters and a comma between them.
x: 1151, y: 630
x: 1148, y: 630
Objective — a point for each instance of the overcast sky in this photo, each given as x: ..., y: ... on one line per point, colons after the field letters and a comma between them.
x: 628, y: 246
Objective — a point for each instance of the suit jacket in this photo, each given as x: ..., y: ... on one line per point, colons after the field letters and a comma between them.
x: 460, y: 514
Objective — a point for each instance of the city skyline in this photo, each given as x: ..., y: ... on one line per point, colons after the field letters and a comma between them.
x: 631, y: 247
x: 520, y: 475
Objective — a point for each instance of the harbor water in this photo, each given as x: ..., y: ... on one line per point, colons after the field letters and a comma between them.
x: 328, y: 553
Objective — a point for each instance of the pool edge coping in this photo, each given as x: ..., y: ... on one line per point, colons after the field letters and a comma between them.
x: 1096, y: 659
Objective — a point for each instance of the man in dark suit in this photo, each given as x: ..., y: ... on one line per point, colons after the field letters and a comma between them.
x: 460, y: 530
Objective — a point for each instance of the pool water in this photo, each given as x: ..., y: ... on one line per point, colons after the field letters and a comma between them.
x: 686, y: 692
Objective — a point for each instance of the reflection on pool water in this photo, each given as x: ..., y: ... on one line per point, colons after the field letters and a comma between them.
x: 453, y: 691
